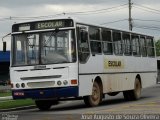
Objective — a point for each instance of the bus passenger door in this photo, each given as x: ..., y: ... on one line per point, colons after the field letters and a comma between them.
x: 85, y: 84
x: 83, y: 45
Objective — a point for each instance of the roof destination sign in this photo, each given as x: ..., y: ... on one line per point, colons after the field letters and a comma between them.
x: 49, y: 24
x: 42, y: 25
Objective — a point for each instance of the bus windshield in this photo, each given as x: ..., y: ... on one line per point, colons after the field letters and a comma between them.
x: 44, y: 48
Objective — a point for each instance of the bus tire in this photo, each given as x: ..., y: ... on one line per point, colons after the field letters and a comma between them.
x: 134, y: 94
x: 43, y: 104
x: 96, y: 98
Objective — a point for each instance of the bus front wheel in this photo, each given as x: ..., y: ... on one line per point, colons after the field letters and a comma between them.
x: 43, y: 104
x: 134, y: 94
x: 96, y: 97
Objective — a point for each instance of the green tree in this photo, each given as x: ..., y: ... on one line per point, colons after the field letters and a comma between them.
x: 158, y: 47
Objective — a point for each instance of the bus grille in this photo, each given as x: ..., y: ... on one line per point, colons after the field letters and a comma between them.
x: 41, y: 84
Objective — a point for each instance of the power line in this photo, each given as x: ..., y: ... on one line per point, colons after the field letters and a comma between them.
x: 99, y: 10
x: 111, y: 9
x: 148, y: 27
x: 152, y: 27
x: 37, y: 16
x: 145, y: 9
x: 28, y: 18
x: 148, y: 7
x: 114, y: 21
x: 3, y: 36
x: 148, y: 10
x: 147, y: 20
x: 104, y: 12
x: 4, y: 19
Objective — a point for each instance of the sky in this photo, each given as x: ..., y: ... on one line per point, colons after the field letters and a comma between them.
x: 109, y: 13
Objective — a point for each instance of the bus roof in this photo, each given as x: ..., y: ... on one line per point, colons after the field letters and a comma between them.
x: 121, y: 30
x: 83, y: 23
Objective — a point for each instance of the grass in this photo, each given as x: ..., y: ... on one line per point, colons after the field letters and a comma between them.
x: 3, y: 94
x: 15, y: 103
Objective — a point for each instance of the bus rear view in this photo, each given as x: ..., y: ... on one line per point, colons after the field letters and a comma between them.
x: 44, y: 61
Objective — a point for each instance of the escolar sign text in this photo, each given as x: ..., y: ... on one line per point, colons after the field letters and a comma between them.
x: 109, y: 64
x: 114, y: 63
x: 49, y: 24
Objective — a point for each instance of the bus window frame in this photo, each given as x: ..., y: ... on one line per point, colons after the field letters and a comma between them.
x: 144, y: 46
x: 110, y: 42
x: 150, y: 47
x: 120, y: 51
x: 78, y: 37
x: 97, y: 41
x: 128, y: 45
x: 138, y: 53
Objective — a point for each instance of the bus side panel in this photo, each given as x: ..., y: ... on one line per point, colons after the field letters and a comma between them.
x: 116, y: 77
x: 88, y: 72
x: 118, y: 82
x: 121, y: 78
x: 85, y: 85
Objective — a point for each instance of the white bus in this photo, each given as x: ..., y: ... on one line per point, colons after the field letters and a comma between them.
x: 59, y: 59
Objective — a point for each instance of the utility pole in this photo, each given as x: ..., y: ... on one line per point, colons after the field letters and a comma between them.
x: 130, y: 16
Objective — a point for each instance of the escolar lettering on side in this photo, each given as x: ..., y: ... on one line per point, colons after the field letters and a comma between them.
x: 113, y: 64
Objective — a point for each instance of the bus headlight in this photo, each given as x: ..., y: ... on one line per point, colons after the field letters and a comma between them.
x: 59, y: 83
x: 17, y: 85
x: 65, y: 82
x: 23, y: 85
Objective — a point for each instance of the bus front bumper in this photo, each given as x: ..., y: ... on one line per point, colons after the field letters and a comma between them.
x: 47, y: 93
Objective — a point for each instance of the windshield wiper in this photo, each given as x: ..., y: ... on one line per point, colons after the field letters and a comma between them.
x: 52, y: 34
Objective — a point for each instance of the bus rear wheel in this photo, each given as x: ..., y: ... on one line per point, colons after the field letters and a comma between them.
x: 96, y: 98
x: 43, y: 104
x: 134, y: 94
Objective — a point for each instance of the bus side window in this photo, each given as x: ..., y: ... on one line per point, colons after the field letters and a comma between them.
x: 95, y: 41
x: 107, y: 41
x: 118, y: 50
x: 136, y: 45
x: 127, y: 44
x: 83, y: 46
x: 150, y: 47
x: 84, y: 36
x: 143, y: 46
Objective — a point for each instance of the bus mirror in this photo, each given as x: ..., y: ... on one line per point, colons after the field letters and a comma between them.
x: 84, y: 36
x: 4, y: 46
